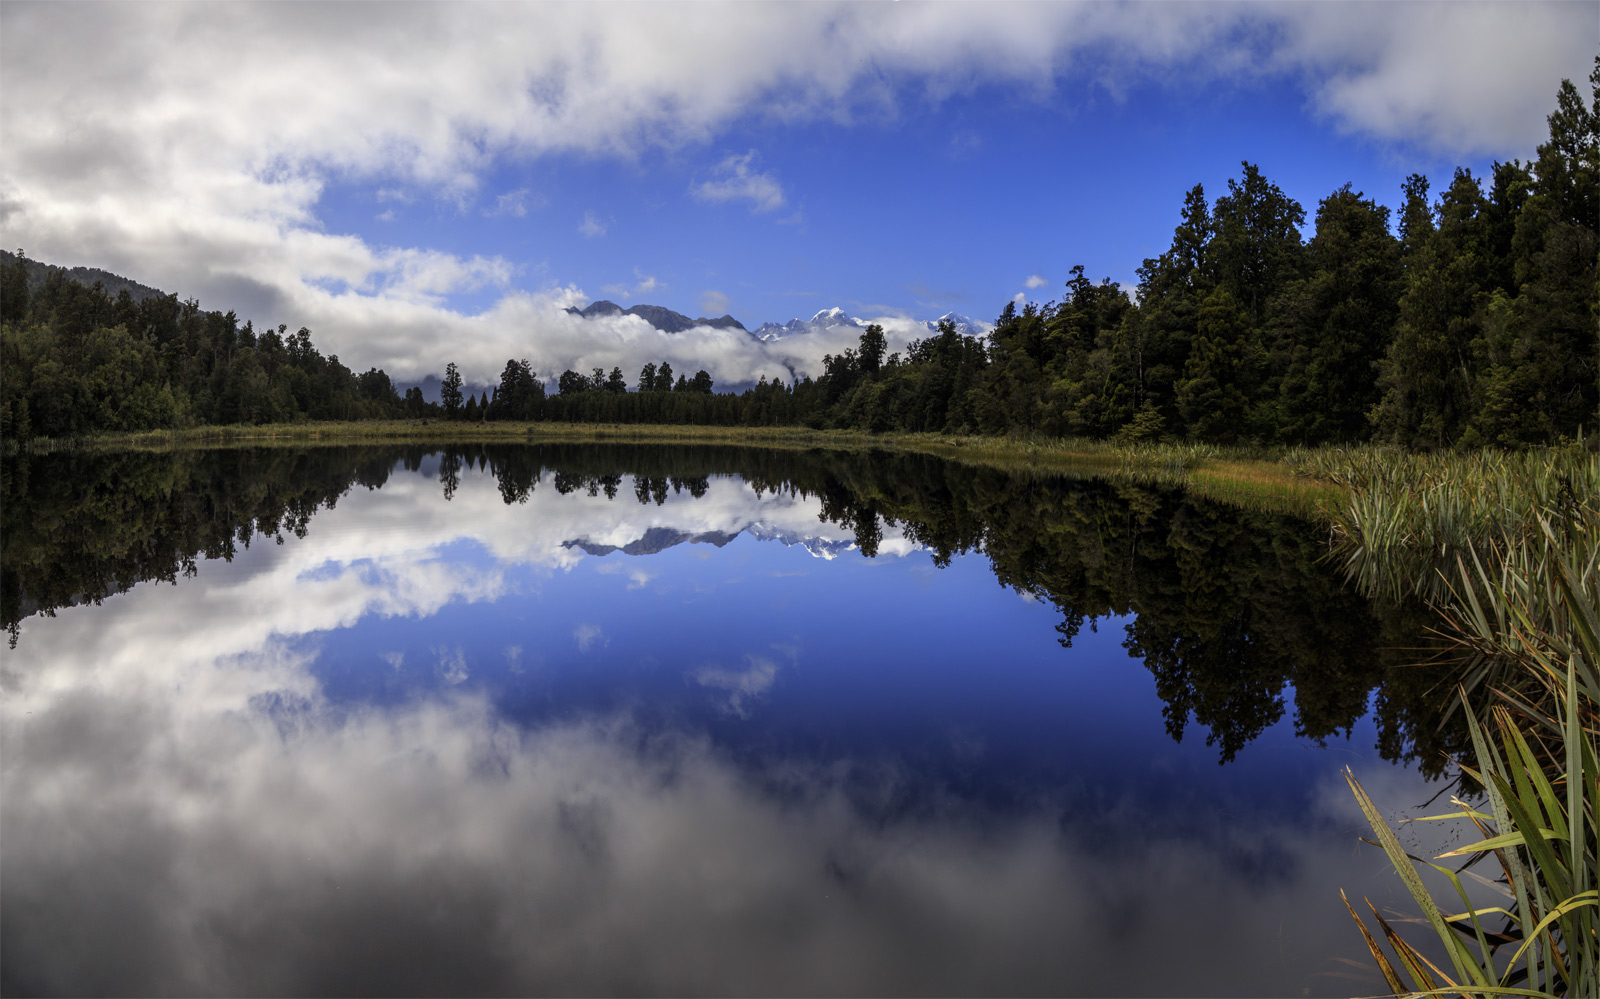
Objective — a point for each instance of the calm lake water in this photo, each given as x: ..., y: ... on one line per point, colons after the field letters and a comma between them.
x: 616, y: 719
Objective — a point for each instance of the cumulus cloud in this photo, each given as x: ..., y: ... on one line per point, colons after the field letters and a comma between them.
x: 734, y: 180
x: 1459, y: 78
x: 1034, y: 281
x: 203, y: 174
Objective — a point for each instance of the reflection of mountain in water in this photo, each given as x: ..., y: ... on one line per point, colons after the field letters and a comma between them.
x: 659, y: 539
x: 656, y: 539
x: 828, y: 548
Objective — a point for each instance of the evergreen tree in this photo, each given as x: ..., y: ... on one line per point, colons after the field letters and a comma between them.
x: 873, y: 346
x: 1211, y: 395
x: 14, y: 290
x: 1333, y: 325
x: 1427, y: 374
x: 449, y: 390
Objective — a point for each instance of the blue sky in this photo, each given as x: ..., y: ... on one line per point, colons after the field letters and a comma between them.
x: 427, y: 183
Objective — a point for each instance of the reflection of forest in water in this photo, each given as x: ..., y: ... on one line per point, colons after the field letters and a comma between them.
x: 1230, y: 608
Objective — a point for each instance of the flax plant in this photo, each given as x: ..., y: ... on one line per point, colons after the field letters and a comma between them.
x: 1409, y: 517
x: 1522, y: 614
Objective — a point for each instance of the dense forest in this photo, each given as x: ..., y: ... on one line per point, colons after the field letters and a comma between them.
x: 1470, y: 319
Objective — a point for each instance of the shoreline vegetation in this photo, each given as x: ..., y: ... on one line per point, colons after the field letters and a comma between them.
x: 1275, y: 480
x: 1387, y: 506
x: 1504, y: 547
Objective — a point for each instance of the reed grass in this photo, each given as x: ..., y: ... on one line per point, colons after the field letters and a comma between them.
x: 1409, y: 517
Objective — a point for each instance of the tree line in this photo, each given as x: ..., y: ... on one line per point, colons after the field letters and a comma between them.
x: 1468, y: 320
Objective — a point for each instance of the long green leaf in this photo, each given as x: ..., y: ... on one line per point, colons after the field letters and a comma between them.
x: 1413, y: 882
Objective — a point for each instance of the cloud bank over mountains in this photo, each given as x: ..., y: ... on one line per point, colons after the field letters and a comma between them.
x: 190, y: 147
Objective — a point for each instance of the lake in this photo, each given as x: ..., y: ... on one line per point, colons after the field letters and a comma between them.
x: 589, y: 719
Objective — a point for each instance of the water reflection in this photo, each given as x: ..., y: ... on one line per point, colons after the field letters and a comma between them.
x: 1233, y: 611
x: 532, y: 720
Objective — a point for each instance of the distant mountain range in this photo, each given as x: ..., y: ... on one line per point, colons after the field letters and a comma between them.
x: 669, y: 321
x: 831, y: 318
x: 661, y: 318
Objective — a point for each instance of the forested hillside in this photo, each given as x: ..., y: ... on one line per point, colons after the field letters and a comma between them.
x: 1470, y: 319
x: 75, y: 360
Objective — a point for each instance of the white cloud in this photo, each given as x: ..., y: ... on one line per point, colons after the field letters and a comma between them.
x: 591, y: 225
x: 734, y: 181
x: 1458, y: 78
x: 1021, y: 298
x: 1034, y: 281
x: 512, y: 203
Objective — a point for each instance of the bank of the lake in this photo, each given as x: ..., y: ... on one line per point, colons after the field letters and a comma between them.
x: 1277, y: 479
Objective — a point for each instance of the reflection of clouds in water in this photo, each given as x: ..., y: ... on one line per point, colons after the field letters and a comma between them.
x: 452, y: 664
x: 233, y: 831
x: 743, y: 685
x: 587, y: 634
x: 383, y: 552
x: 638, y: 577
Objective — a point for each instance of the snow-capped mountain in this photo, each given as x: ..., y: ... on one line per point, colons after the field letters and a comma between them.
x: 965, y: 325
x: 835, y: 317
x: 826, y: 319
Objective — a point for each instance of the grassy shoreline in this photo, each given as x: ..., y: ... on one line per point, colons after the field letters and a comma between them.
x: 1265, y: 480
